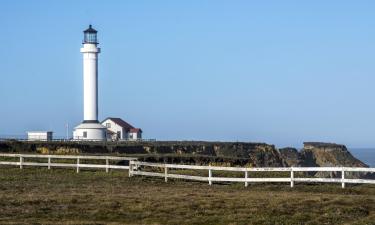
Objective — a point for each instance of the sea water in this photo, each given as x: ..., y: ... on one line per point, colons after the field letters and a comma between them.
x: 366, y: 155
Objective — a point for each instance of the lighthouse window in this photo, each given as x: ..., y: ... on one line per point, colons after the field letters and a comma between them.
x: 85, y: 134
x: 90, y: 38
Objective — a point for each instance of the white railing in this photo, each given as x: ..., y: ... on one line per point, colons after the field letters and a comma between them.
x: 135, y: 166
x: 49, y: 164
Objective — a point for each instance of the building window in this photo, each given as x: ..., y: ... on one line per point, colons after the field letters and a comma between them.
x: 108, y: 125
x: 118, y: 134
x: 85, y: 134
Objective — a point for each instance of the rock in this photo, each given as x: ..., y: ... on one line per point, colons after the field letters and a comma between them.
x: 194, y: 152
x: 318, y: 154
x: 314, y: 154
x: 328, y: 154
x: 291, y: 156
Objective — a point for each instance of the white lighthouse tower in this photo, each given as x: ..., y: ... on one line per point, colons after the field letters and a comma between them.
x: 90, y: 128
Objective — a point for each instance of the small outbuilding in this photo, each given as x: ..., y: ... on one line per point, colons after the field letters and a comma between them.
x: 135, y: 133
x: 39, y: 135
x: 118, y: 129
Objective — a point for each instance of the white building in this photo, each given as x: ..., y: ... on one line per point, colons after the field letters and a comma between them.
x: 118, y: 129
x: 39, y: 135
x: 90, y: 128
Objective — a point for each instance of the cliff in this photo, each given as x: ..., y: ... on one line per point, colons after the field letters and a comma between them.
x: 193, y: 152
x: 328, y: 154
x: 318, y: 154
x: 290, y: 156
x: 314, y: 154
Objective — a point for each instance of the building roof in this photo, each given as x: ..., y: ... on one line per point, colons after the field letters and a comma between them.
x: 120, y: 122
x: 40, y: 131
x: 135, y: 130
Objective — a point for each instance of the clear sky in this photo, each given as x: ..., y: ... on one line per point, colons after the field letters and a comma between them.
x: 280, y: 72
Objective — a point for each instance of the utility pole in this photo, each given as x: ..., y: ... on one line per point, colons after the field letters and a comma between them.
x: 67, y: 131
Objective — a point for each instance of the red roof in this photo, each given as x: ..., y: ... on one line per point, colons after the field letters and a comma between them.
x: 121, y: 123
x: 135, y: 130
x: 125, y: 125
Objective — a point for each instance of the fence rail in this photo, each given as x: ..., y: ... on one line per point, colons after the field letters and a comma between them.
x: 78, y: 165
x: 246, y: 179
x: 135, y: 168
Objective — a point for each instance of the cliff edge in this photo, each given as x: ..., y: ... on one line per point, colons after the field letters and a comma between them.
x: 319, y: 154
x: 314, y: 154
x: 190, y: 152
x: 328, y: 154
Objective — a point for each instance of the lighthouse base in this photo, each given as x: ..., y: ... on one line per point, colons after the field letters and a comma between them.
x: 90, y: 132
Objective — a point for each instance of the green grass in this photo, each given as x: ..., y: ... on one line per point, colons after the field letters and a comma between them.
x: 41, y: 196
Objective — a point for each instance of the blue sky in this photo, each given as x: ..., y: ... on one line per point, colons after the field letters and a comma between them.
x: 280, y: 72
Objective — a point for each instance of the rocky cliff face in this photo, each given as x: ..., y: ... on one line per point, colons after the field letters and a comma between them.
x: 290, y: 156
x: 219, y: 153
x: 328, y: 154
x: 318, y: 154
x: 195, y: 152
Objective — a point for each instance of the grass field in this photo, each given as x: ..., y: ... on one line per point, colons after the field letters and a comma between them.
x: 60, y: 196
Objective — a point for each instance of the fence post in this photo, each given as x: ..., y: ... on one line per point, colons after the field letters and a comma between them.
x: 246, y: 175
x: 165, y: 173
x: 77, y: 164
x: 130, y: 168
x: 107, y: 165
x: 21, y: 161
x: 209, y: 176
x: 291, y: 177
x: 49, y: 162
x: 342, y: 177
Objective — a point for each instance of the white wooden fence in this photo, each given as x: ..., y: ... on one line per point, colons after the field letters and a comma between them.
x: 49, y: 164
x: 135, y: 168
x: 246, y: 179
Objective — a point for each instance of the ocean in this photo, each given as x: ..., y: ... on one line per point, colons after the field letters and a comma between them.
x: 366, y: 155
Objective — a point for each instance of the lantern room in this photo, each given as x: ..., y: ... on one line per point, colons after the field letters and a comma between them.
x: 90, y: 36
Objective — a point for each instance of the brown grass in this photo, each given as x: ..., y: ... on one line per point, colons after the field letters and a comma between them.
x: 60, y: 196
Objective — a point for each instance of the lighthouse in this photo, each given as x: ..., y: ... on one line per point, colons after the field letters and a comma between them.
x: 90, y: 128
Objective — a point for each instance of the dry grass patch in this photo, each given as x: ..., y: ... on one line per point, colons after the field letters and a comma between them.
x: 38, y: 195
